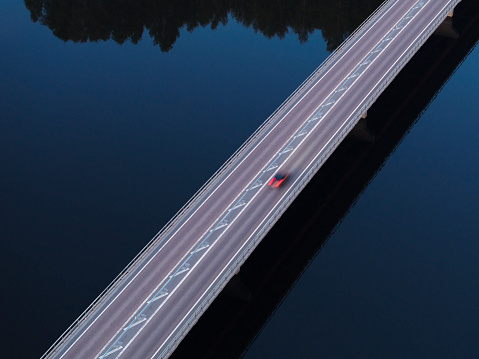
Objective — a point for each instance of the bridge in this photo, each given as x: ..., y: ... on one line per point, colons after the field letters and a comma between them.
x: 149, y: 308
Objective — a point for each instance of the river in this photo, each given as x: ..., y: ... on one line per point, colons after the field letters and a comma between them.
x: 113, y: 115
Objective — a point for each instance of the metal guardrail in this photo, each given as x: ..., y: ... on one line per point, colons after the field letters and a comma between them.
x: 234, y: 267
x: 128, y: 268
x: 271, y: 221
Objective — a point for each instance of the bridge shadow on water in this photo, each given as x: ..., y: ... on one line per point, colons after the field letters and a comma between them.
x: 235, y: 318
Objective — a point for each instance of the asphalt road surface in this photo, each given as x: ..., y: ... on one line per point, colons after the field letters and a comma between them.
x: 148, y: 310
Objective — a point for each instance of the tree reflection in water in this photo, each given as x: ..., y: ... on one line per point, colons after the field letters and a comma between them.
x: 126, y: 20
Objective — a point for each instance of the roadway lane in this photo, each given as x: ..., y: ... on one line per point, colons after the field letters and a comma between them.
x: 227, y: 217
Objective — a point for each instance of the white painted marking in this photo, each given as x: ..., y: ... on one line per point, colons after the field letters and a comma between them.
x: 338, y: 60
x: 113, y: 351
x: 180, y: 272
x: 328, y: 111
x: 221, y: 225
x: 161, y: 295
x: 203, y: 246
x: 156, y: 311
x: 219, y: 185
x: 235, y: 218
x: 256, y: 185
x: 282, y: 198
x: 238, y: 205
x: 136, y: 323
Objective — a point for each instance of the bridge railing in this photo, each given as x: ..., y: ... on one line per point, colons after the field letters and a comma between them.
x: 260, y: 129
x: 94, y: 305
x: 235, y: 266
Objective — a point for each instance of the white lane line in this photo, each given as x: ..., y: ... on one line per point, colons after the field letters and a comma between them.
x: 336, y: 61
x: 161, y: 283
x: 357, y: 74
x: 371, y: 62
x: 179, y: 284
x: 156, y: 311
x: 290, y: 110
x: 289, y: 190
x: 199, y: 260
x: 288, y: 149
x: 281, y: 119
x: 315, y: 126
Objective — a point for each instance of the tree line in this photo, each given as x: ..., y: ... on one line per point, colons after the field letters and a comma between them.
x: 126, y: 20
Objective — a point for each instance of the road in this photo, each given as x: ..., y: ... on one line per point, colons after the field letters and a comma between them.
x: 146, y: 312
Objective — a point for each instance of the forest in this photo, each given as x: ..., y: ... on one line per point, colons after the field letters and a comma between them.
x: 127, y: 20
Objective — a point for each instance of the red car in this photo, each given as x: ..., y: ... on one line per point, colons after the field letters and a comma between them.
x: 278, y: 179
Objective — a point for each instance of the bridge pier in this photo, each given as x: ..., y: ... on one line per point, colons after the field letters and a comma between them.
x: 361, y: 131
x: 446, y: 28
x: 236, y: 288
x: 88, y: 335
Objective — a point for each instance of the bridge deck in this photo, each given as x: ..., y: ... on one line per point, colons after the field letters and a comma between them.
x: 154, y: 303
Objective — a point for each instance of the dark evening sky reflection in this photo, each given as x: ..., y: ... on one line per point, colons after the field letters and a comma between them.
x: 100, y: 144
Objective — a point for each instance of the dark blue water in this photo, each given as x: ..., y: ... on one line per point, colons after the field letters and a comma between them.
x: 101, y: 143
x: 399, y: 277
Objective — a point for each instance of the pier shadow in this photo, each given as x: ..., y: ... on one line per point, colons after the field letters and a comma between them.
x: 239, y: 313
